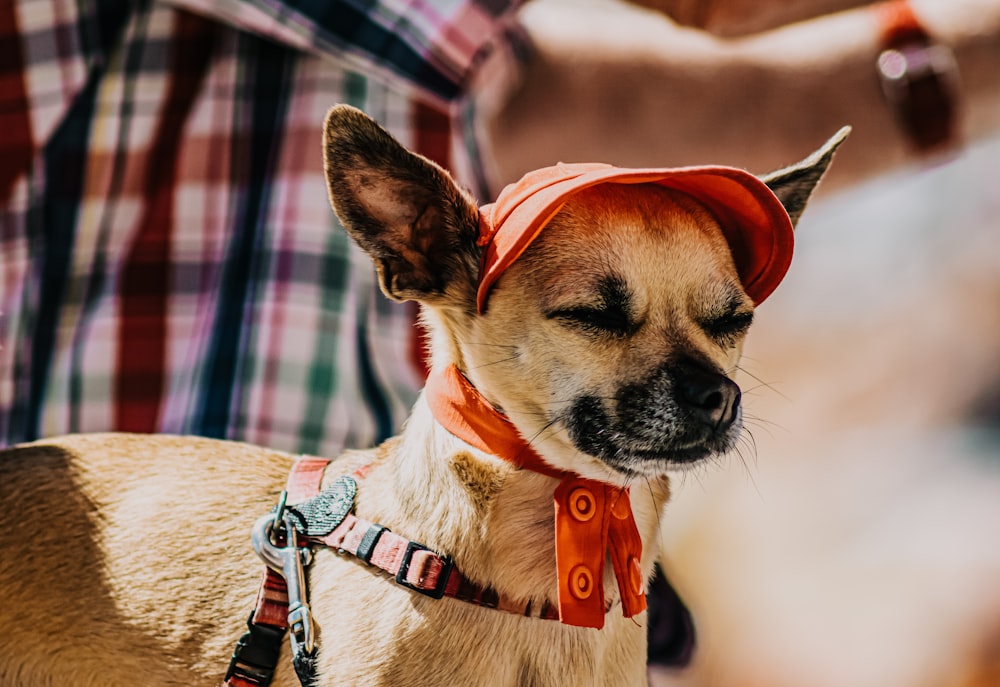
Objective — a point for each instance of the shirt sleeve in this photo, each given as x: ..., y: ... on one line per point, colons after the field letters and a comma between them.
x: 434, y: 46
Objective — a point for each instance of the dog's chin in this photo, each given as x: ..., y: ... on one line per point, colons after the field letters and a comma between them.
x: 653, y: 464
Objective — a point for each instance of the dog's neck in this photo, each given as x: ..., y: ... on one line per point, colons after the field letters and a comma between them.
x: 592, y: 519
x: 464, y: 412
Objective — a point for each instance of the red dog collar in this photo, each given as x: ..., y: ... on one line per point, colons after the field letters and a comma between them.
x: 753, y: 220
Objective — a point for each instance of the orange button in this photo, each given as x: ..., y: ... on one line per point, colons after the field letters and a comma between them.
x: 581, y: 582
x: 582, y: 504
x: 621, y: 508
x: 635, y: 576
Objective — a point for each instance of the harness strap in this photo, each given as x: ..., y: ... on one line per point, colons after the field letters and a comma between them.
x: 305, y: 478
x: 423, y: 570
x: 256, y: 655
x: 412, y: 565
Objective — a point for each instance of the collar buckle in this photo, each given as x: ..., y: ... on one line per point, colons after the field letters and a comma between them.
x: 435, y: 592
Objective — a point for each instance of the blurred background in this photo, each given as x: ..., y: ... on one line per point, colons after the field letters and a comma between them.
x: 855, y: 539
x: 856, y: 542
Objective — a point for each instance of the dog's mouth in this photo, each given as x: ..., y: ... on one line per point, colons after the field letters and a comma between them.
x: 652, y: 440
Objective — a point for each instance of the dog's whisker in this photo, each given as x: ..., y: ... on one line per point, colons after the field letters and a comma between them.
x: 767, y: 425
x: 487, y: 343
x: 652, y: 499
x: 495, y: 362
x: 695, y: 474
x: 747, y: 436
x: 538, y: 435
x: 610, y: 473
x: 760, y: 420
x: 761, y: 382
x: 556, y: 402
x: 536, y: 413
x: 756, y: 387
x: 752, y: 448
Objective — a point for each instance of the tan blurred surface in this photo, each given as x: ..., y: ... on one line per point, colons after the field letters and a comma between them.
x: 858, y: 543
x: 856, y: 540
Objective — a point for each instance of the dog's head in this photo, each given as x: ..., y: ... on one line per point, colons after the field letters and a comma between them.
x: 609, y: 342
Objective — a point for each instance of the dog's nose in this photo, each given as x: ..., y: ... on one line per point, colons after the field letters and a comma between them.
x: 712, y: 397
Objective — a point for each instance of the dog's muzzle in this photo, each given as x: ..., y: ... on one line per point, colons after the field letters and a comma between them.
x: 684, y: 412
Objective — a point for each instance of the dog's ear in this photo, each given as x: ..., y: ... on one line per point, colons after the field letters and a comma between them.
x: 406, y: 212
x: 795, y: 184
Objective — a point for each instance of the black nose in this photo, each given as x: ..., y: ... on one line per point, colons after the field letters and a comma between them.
x: 712, y: 398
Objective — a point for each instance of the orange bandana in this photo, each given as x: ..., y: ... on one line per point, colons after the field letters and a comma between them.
x: 593, y: 519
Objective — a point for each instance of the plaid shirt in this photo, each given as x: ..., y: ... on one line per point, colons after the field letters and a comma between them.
x: 168, y: 258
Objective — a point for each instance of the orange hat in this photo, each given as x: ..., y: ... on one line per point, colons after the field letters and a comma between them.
x: 752, y: 218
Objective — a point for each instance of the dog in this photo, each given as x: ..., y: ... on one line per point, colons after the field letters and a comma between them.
x: 599, y: 345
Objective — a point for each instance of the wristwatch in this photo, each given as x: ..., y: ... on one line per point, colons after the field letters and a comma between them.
x: 919, y: 78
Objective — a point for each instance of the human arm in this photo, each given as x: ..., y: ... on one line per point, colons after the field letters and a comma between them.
x: 615, y: 83
x: 732, y: 18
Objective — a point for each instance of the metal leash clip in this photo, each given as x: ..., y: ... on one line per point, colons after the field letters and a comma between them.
x: 290, y: 561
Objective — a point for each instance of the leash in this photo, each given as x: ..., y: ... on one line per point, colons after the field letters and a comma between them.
x: 255, y: 657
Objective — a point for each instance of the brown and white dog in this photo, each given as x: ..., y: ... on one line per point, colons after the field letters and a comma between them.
x: 603, y: 343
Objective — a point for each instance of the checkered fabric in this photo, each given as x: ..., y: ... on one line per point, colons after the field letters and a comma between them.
x: 168, y: 258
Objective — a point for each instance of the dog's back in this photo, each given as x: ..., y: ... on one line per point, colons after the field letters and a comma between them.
x: 118, y: 564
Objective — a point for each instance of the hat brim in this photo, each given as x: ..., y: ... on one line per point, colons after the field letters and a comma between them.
x: 752, y: 219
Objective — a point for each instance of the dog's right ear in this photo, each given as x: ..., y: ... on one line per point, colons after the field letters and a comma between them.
x: 795, y: 184
x: 406, y: 212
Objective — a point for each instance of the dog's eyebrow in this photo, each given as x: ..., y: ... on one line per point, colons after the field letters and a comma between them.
x: 609, y: 292
x: 615, y: 294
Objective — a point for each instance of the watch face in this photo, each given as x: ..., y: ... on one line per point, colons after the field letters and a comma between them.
x: 920, y: 82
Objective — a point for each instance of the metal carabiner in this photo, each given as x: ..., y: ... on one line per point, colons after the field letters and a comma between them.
x: 290, y: 562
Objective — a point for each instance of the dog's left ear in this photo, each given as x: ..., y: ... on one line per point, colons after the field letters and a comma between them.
x: 418, y: 226
x: 794, y: 185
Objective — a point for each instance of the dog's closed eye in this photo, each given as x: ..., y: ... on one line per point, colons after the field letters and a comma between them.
x: 600, y: 320
x: 726, y: 329
x: 612, y: 314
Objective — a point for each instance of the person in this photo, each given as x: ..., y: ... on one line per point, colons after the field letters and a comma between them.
x: 169, y: 259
